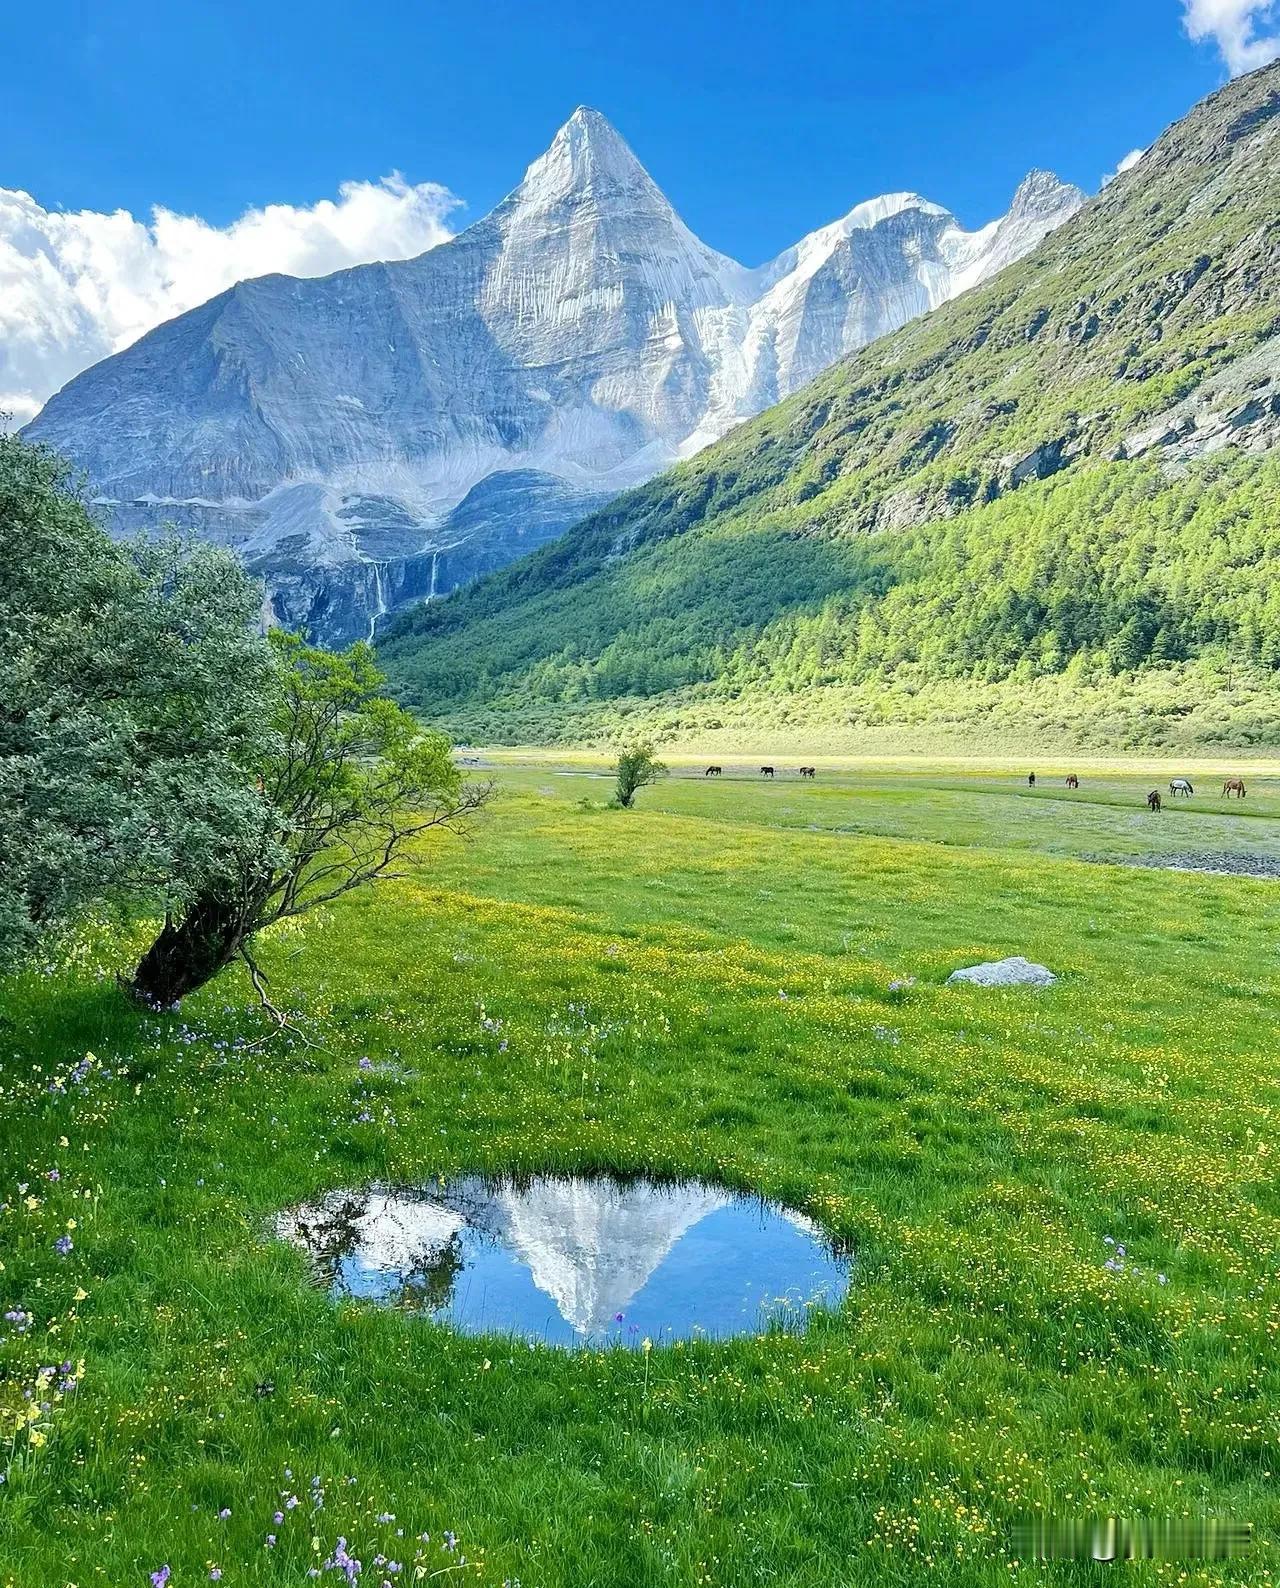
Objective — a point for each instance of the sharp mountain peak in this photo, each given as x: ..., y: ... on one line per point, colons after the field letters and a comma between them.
x: 588, y: 156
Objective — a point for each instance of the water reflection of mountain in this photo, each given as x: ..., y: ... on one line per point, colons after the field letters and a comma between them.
x: 591, y: 1246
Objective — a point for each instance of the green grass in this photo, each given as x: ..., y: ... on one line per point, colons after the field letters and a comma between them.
x: 719, y: 984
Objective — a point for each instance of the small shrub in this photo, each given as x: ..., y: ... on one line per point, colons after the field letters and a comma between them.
x: 637, y: 766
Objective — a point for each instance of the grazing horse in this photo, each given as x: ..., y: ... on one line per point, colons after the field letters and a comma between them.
x: 1073, y: 781
x: 1031, y: 780
x: 1153, y: 800
x: 1180, y: 785
x: 766, y: 771
x: 808, y: 771
x: 1233, y: 785
x: 714, y: 771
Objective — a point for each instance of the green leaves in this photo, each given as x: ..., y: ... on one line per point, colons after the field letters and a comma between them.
x: 637, y: 767
x: 349, y: 756
x: 158, y: 753
x: 347, y: 782
x: 132, y: 684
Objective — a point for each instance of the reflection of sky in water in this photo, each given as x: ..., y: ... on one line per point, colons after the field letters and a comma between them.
x: 558, y: 1259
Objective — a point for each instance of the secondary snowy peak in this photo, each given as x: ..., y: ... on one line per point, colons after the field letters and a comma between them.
x: 1043, y: 195
x: 815, y: 248
x: 1041, y: 204
x: 573, y: 342
x: 886, y: 261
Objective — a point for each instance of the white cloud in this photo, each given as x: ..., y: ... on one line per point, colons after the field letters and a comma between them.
x: 75, y: 287
x: 1127, y: 164
x: 1244, y: 30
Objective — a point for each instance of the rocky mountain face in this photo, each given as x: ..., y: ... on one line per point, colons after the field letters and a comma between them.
x: 386, y: 434
x: 1078, y: 457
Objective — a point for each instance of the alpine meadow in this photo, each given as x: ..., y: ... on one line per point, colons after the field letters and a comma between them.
x: 639, y: 934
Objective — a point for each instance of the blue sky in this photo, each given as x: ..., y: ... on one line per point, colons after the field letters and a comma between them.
x: 761, y: 121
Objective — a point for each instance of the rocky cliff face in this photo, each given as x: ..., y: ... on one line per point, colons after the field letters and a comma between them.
x: 382, y: 435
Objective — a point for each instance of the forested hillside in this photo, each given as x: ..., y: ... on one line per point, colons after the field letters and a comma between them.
x: 1066, y: 474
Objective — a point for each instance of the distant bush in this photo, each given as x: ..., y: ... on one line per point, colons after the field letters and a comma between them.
x: 637, y: 766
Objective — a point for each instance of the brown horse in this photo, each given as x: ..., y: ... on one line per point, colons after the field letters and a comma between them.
x: 1073, y: 781
x: 714, y: 771
x: 766, y: 771
x: 808, y: 771
x: 1233, y: 785
x: 1153, y: 800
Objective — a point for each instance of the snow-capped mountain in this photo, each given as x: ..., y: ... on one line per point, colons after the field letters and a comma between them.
x: 590, y: 1245
x: 387, y: 433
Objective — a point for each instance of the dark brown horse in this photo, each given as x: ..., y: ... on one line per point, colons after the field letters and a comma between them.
x: 808, y: 771
x: 1031, y: 780
x: 714, y: 771
x: 1233, y: 785
x: 766, y: 771
x: 1154, y: 802
x: 1073, y: 781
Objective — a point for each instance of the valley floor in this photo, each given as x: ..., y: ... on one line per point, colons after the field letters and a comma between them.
x: 741, y: 980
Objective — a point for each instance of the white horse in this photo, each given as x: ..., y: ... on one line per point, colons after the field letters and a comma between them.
x: 1180, y: 785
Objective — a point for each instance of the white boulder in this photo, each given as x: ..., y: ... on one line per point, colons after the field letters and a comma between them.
x: 1015, y: 972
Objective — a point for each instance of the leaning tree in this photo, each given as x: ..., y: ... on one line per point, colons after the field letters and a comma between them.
x: 351, y: 784
x: 160, y: 756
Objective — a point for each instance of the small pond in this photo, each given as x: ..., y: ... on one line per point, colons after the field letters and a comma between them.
x: 574, y: 1261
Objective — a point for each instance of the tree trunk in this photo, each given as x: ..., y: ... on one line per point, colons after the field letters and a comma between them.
x: 188, y: 952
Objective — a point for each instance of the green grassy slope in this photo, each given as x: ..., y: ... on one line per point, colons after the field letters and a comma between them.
x: 703, y: 986
x: 953, y: 502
